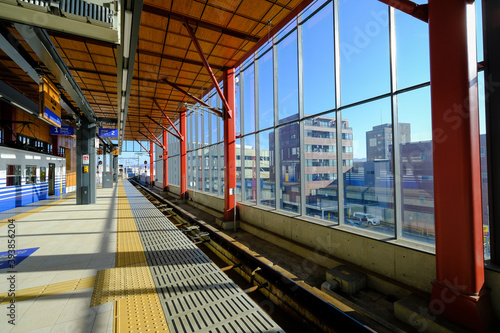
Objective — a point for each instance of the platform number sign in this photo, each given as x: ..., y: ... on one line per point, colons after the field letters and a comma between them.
x: 86, y: 159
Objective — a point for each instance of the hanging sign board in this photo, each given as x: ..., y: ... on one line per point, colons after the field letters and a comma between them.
x: 50, y: 109
x: 108, y: 133
x: 63, y: 130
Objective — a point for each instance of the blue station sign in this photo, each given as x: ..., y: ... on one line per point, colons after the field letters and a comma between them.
x: 108, y: 133
x: 63, y: 130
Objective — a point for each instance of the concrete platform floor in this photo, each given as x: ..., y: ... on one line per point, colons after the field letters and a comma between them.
x: 74, y: 242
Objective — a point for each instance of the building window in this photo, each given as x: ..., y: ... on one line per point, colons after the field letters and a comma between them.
x: 30, y: 173
x: 13, y: 175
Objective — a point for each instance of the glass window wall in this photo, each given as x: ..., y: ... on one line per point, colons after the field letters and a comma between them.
x: 368, y: 170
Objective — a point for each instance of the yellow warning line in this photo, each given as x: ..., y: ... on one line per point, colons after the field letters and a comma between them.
x: 137, y: 307
x: 36, y: 210
x: 48, y: 290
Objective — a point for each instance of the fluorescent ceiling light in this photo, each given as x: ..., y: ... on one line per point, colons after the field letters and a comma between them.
x: 28, y: 157
x: 124, y: 79
x: 38, y: 158
x: 123, y: 102
x: 126, y: 33
x: 8, y: 155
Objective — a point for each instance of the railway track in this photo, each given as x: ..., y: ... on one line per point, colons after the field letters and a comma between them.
x: 291, y: 297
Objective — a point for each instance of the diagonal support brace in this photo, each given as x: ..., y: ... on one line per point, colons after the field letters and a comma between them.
x: 166, y: 129
x: 181, y: 137
x: 420, y: 12
x: 173, y: 85
x: 158, y: 143
x: 229, y: 112
x: 142, y: 145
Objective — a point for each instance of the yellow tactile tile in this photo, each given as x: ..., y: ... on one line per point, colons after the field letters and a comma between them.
x: 137, y: 307
x: 59, y: 288
x: 35, y: 210
x: 85, y: 283
x: 47, y: 290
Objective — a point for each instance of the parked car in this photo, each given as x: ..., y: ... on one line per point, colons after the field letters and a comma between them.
x: 371, y: 219
x: 357, y: 221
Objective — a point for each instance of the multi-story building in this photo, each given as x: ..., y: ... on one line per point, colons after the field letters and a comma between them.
x: 379, y: 140
x: 320, y: 140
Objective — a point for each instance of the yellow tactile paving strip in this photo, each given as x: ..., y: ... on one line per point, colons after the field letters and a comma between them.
x: 35, y: 210
x: 138, y: 308
x: 48, y: 290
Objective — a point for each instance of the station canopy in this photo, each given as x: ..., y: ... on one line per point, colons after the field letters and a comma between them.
x: 227, y: 31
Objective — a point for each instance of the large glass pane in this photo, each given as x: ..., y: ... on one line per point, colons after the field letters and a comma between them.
x: 221, y: 167
x: 288, y: 88
x: 367, y: 166
x: 214, y: 169
x: 416, y: 166
x: 364, y: 50
x: 484, y: 167
x: 205, y: 118
x: 239, y: 171
x: 214, y: 134
x: 412, y: 48
x: 266, y: 91
x: 206, y: 169
x: 479, y: 30
x: 266, y: 168
x: 199, y: 169
x: 249, y: 100
x: 319, y: 80
x: 250, y: 169
x: 289, y: 152
x: 320, y: 156
x: 237, y: 122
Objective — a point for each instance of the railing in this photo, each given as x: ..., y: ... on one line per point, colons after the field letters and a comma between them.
x: 76, y: 7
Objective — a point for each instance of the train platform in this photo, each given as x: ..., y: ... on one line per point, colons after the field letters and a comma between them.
x: 119, y: 265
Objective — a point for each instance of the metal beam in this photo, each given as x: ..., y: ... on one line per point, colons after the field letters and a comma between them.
x: 456, y: 161
x: 181, y: 137
x: 12, y: 95
x: 291, y: 16
x: 163, y: 127
x: 229, y: 149
x: 154, y: 137
x: 127, y: 63
x: 229, y: 111
x: 40, y: 42
x: 141, y: 143
x: 420, y: 12
x: 183, y: 157
x: 175, y: 86
x: 203, y: 24
x: 181, y: 60
x: 16, y: 13
x: 165, y: 161
x: 68, y: 106
x: 8, y: 45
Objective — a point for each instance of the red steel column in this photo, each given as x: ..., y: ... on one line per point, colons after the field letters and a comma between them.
x: 458, y: 292
x: 183, y: 179
x: 229, y: 146
x: 165, y: 161
x: 151, y: 162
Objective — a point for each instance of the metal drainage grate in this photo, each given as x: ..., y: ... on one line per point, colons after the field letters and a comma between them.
x: 196, y: 295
